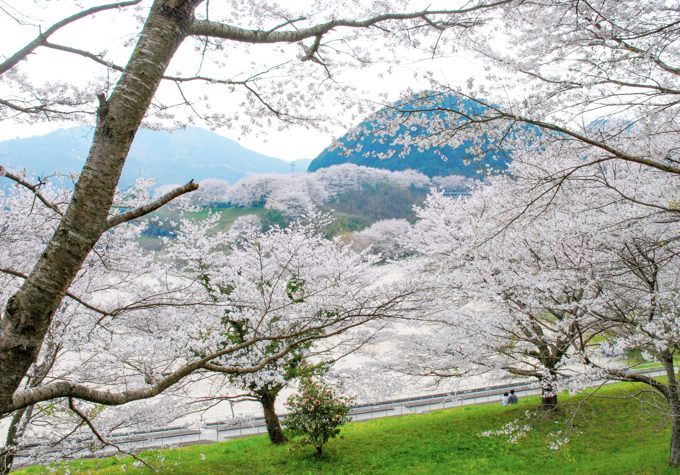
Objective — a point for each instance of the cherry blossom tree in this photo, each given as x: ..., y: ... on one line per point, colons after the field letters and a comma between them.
x: 520, y: 296
x: 597, y: 82
x: 640, y: 291
x: 631, y: 259
x: 544, y: 265
x: 384, y: 237
x: 350, y: 177
x: 127, y: 95
x: 95, y: 334
x: 211, y: 191
x: 284, y: 278
x: 600, y: 80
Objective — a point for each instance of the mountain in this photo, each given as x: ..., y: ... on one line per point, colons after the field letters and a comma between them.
x: 365, y: 147
x: 167, y: 157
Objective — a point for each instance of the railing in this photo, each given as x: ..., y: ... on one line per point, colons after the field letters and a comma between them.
x: 224, y: 430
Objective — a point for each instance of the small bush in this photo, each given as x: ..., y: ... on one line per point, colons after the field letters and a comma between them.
x: 316, y: 413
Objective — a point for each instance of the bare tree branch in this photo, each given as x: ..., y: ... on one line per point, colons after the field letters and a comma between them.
x: 32, y: 188
x: 485, y: 117
x: 43, y: 107
x: 360, y: 316
x: 10, y: 62
x: 72, y: 296
x: 149, y: 207
x: 234, y: 33
x: 101, y: 438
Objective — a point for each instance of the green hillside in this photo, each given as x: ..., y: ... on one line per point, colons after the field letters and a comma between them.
x: 612, y: 433
x: 355, y: 210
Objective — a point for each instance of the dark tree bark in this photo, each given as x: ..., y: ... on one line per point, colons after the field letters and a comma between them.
x: 548, y: 401
x: 674, y: 459
x: 674, y: 405
x: 268, y: 398
x: 549, y: 393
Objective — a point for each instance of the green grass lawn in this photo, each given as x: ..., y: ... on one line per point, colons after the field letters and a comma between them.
x: 609, y: 434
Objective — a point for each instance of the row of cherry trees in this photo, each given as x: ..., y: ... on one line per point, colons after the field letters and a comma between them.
x: 539, y: 272
x: 293, y: 195
x: 537, y: 268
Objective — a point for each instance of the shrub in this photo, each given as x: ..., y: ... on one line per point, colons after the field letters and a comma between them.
x: 316, y: 413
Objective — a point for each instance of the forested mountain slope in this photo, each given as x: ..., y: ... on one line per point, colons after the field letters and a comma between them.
x: 368, y: 144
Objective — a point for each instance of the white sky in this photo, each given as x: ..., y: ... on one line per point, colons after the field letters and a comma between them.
x: 110, y: 30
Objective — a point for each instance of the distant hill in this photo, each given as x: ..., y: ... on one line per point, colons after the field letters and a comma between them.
x: 167, y: 157
x: 366, y: 147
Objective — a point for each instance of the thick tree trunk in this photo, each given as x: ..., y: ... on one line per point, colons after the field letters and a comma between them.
x: 267, y: 399
x: 674, y: 459
x: 548, y: 401
x: 674, y: 405
x: 548, y: 394
x: 29, y: 312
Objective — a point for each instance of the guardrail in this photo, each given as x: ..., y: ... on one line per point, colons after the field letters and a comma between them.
x: 218, y: 431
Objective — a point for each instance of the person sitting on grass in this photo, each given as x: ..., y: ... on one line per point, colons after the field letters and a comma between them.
x: 506, y: 399
x: 513, y: 397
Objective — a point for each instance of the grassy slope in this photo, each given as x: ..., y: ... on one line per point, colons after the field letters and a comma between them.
x: 612, y: 435
x: 227, y: 218
x: 227, y: 215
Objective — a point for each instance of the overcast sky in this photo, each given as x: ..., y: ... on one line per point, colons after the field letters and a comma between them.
x: 113, y: 32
